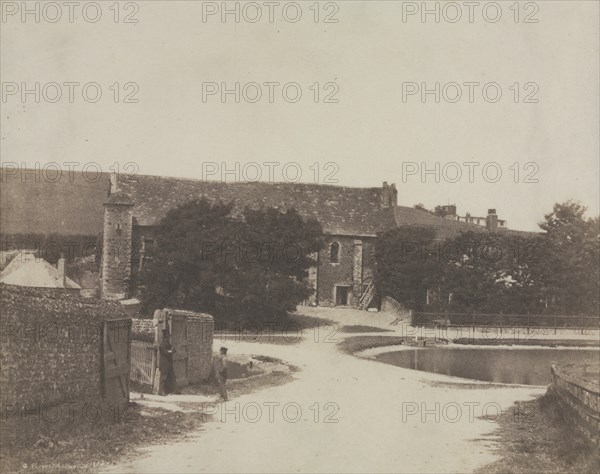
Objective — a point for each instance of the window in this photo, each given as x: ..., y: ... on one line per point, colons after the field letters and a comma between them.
x: 148, y: 247
x: 146, y: 251
x: 334, y: 253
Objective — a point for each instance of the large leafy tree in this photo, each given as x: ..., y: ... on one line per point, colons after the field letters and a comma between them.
x: 555, y: 272
x: 251, y: 267
x: 489, y: 273
x: 408, y: 264
x: 568, y: 270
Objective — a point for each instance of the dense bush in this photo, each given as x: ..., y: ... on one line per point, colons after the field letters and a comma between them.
x: 253, y: 268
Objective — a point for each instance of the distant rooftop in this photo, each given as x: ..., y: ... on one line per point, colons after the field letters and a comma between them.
x: 26, y: 269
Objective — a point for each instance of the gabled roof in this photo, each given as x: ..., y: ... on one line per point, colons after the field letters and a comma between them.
x: 34, y: 272
x: 6, y: 256
x: 19, y: 259
x: 340, y: 210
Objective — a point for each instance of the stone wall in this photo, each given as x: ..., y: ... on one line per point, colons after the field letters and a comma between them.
x: 200, y: 329
x: 117, y: 248
x: 143, y: 330
x: 368, y: 258
x: 390, y: 305
x: 577, y: 390
x: 140, y: 255
x: 50, y: 347
x: 200, y: 350
x: 355, y: 265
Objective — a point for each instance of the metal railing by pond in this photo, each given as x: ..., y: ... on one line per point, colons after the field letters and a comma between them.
x: 526, y: 321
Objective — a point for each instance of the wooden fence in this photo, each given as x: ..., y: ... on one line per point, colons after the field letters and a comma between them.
x: 143, y: 362
x: 578, y: 393
x: 528, y: 321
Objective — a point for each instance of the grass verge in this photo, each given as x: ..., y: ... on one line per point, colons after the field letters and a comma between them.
x: 534, y: 437
x: 352, y: 345
x: 359, y: 328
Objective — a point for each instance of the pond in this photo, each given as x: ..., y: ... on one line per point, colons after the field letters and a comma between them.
x: 499, y: 365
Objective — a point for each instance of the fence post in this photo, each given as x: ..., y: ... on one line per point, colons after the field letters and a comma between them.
x: 154, y: 364
x: 555, y: 324
x: 581, y: 324
x: 501, y: 324
x: 527, y: 322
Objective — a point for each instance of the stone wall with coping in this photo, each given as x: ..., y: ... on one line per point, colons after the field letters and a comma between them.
x: 200, y: 331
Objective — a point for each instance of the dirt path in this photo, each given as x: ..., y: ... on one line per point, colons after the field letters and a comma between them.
x: 379, y: 412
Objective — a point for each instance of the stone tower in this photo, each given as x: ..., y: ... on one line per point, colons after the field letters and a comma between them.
x: 117, y: 244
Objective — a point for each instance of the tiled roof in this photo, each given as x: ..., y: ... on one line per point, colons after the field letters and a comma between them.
x: 340, y: 210
x: 39, y: 206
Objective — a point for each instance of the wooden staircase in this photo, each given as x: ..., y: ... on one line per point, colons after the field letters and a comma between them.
x: 367, y: 297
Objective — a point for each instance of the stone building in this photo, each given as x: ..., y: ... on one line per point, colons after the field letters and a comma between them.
x: 351, y: 218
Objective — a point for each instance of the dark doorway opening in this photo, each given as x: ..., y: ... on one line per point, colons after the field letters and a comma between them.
x: 341, y: 295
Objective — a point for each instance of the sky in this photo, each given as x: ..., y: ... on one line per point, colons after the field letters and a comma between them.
x: 361, y: 119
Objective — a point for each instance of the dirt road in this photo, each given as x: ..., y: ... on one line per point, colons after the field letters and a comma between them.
x: 341, y: 414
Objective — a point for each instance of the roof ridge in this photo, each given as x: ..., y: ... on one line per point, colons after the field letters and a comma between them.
x: 134, y: 179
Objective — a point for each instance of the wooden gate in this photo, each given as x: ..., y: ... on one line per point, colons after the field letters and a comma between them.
x: 179, y: 341
x: 116, y: 359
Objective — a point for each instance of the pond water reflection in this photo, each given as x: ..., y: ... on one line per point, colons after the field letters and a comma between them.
x: 500, y: 365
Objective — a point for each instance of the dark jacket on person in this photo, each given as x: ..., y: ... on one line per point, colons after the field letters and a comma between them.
x: 166, y: 354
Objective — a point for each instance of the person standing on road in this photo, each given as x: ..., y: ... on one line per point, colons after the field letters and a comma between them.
x: 220, y: 367
x: 167, y: 373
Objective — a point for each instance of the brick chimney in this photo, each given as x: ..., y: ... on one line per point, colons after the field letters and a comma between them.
x: 113, y: 184
x: 449, y: 210
x: 62, y: 275
x: 491, y: 221
x: 389, y: 195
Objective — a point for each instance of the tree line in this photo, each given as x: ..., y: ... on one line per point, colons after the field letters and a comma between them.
x: 551, y: 272
x: 52, y: 246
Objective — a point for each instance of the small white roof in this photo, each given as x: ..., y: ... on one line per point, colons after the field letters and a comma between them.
x: 129, y: 302
x: 36, y: 273
x: 18, y: 260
